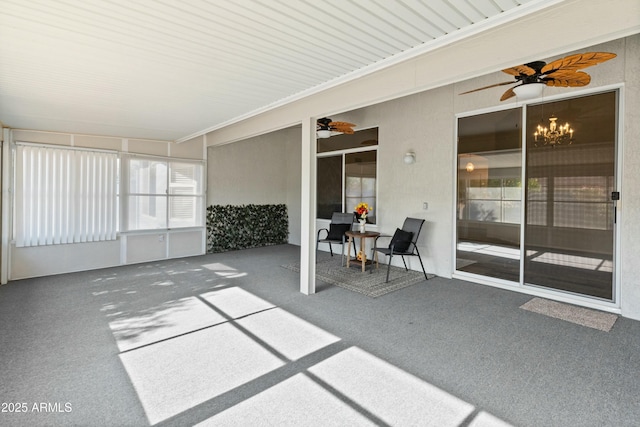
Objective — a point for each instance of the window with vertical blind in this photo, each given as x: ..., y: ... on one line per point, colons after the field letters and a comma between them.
x: 163, y: 193
x: 64, y: 195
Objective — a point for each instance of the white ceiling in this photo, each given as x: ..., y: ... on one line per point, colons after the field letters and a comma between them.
x: 170, y: 69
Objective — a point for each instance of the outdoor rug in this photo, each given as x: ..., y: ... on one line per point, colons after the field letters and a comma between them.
x: 370, y: 283
x: 582, y: 316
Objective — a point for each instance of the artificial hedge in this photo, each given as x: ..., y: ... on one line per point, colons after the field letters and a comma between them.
x: 232, y: 227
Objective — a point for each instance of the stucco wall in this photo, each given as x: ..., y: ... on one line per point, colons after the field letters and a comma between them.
x: 425, y: 123
x: 629, y: 267
x: 260, y: 170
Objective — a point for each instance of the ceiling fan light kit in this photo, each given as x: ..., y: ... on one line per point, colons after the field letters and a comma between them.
x: 528, y: 91
x: 325, y: 128
x: 533, y: 76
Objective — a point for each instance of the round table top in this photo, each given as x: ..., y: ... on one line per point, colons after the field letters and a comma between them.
x: 355, y: 233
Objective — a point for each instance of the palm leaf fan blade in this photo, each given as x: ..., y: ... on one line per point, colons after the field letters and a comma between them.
x: 563, y: 78
x: 520, y: 70
x: 508, y: 94
x: 487, y: 87
x: 343, y: 127
x: 577, y: 61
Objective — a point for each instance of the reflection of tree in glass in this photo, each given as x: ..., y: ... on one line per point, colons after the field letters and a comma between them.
x: 478, y: 212
x: 534, y: 184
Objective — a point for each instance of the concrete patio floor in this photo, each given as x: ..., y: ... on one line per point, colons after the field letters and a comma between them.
x: 228, y: 339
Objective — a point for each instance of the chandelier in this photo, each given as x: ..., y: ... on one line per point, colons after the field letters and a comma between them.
x: 554, y: 135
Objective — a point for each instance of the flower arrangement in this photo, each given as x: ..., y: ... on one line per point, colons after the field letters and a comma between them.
x: 362, y: 209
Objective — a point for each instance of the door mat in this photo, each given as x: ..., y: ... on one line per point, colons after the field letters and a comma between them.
x: 579, y: 315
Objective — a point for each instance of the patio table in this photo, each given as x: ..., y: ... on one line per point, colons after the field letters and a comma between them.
x: 363, y: 237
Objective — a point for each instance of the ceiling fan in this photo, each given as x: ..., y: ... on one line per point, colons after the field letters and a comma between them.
x: 326, y: 127
x: 560, y: 73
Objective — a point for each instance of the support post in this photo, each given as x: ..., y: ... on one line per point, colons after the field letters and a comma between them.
x: 308, y: 208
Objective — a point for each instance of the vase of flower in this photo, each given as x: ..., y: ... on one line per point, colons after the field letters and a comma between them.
x: 361, y: 210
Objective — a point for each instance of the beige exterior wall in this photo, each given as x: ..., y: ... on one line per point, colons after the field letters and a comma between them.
x: 425, y: 123
x: 260, y: 170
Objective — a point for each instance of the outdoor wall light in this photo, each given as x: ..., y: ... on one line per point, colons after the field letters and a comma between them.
x: 409, y: 157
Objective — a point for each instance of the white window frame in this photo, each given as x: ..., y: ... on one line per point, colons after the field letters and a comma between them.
x: 342, y: 154
x: 198, y: 209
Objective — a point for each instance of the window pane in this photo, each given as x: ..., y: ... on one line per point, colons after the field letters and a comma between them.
x: 593, y: 216
x: 368, y: 187
x: 511, y: 212
x: 485, y: 211
x: 185, y: 178
x: 360, y: 170
x: 353, y: 186
x: 583, y: 188
x: 147, y: 212
x: 536, y: 213
x: 479, y: 190
x: 147, y: 177
x: 329, y: 186
x: 185, y: 212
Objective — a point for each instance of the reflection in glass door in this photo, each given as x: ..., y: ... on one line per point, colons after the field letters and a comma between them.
x: 569, y: 229
x: 489, y: 201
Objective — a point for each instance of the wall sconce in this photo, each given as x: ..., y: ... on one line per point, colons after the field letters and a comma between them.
x: 470, y: 167
x: 409, y: 157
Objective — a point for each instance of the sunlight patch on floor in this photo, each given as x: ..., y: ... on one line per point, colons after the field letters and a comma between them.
x: 172, y: 376
x: 161, y: 322
x: 575, y: 261
x: 192, y: 365
x: 287, y: 334
x: 224, y: 270
x: 391, y: 394
x: 484, y: 419
x: 493, y: 250
x: 236, y: 302
x: 297, y: 401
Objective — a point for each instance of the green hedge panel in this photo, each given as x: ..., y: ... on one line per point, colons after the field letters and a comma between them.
x: 232, y: 227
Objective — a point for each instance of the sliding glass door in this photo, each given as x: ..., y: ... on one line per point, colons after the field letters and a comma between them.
x: 557, y: 231
x: 489, y: 201
x: 570, y: 214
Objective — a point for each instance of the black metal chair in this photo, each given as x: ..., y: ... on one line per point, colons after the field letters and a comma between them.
x: 340, y: 223
x: 403, y: 243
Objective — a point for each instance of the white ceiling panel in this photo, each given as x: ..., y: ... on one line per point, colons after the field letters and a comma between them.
x: 168, y: 69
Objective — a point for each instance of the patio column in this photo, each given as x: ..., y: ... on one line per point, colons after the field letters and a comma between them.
x: 308, y: 208
x: 6, y: 205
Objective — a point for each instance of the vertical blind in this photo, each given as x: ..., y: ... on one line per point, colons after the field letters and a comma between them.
x: 65, y: 195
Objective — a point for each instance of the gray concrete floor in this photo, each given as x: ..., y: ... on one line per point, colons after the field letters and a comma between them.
x: 227, y: 339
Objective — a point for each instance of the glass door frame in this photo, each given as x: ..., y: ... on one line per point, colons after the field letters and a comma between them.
x: 563, y: 296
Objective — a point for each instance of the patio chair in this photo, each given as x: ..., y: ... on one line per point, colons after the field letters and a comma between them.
x: 340, y: 223
x: 403, y: 243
